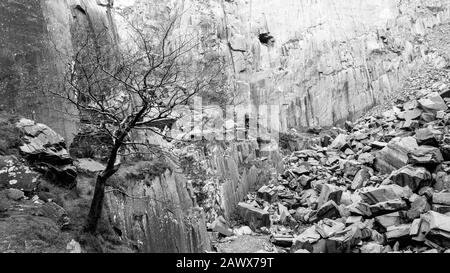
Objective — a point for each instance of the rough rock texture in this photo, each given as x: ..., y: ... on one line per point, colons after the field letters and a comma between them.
x: 330, y: 60
x: 223, y: 174
x: 238, y: 174
x: 157, y: 214
x: 405, y: 210
x: 327, y: 61
x: 34, y: 34
x: 46, y: 151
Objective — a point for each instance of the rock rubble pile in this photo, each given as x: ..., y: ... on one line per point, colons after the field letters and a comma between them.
x: 381, y: 185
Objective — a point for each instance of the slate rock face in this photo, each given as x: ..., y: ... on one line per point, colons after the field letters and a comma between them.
x: 31, y: 33
x: 157, y: 214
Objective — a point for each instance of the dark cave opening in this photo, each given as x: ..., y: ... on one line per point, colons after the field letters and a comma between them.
x: 266, y: 39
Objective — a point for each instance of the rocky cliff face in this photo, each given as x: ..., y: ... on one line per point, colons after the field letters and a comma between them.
x: 331, y: 59
x: 157, y: 213
x: 34, y: 36
x: 222, y: 174
x: 321, y: 61
x: 327, y: 60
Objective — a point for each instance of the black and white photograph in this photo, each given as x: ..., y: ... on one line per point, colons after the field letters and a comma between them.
x: 230, y: 133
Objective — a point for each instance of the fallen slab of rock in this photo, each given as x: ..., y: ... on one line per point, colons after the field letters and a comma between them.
x: 255, y: 217
x: 46, y: 151
x: 442, y: 198
x: 413, y: 177
x: 395, y: 155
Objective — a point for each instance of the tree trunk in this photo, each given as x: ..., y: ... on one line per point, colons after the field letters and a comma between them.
x: 95, y: 211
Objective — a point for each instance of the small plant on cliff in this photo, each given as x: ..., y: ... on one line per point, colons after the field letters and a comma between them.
x: 137, y: 85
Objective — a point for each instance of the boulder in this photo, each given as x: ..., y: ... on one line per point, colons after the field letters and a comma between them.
x: 415, y: 229
x: 371, y: 247
x: 375, y: 195
x: 73, y: 247
x: 340, y: 142
x: 285, y: 216
x: 329, y: 192
x: 436, y: 228
x: 411, y: 105
x: 413, y: 114
x: 300, y: 170
x: 443, y: 209
x: 419, y: 205
x: 387, y: 207
x: 328, y: 228
x: 366, y: 158
x: 15, y: 194
x: 351, y: 168
x: 378, y: 144
x: 345, y: 240
x: 267, y: 194
x: 302, y: 251
x: 413, y: 177
x: 353, y: 219
x: 410, y: 125
x: 328, y: 210
x: 302, y: 214
x: 89, y: 166
x: 428, y: 117
x: 433, y: 102
x: 42, y: 143
x: 360, y: 179
x: 445, y: 150
x: 395, y: 233
x: 425, y: 155
x: 56, y: 213
x: 395, y: 155
x: 442, y: 198
x: 282, y: 240
x: 310, y: 235
x: 254, y: 217
x: 427, y: 136
x: 442, y: 182
x: 388, y: 220
x: 244, y: 230
x: 434, y: 251
x: 46, y: 151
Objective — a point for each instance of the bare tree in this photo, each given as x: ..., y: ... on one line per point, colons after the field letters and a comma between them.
x: 120, y: 90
